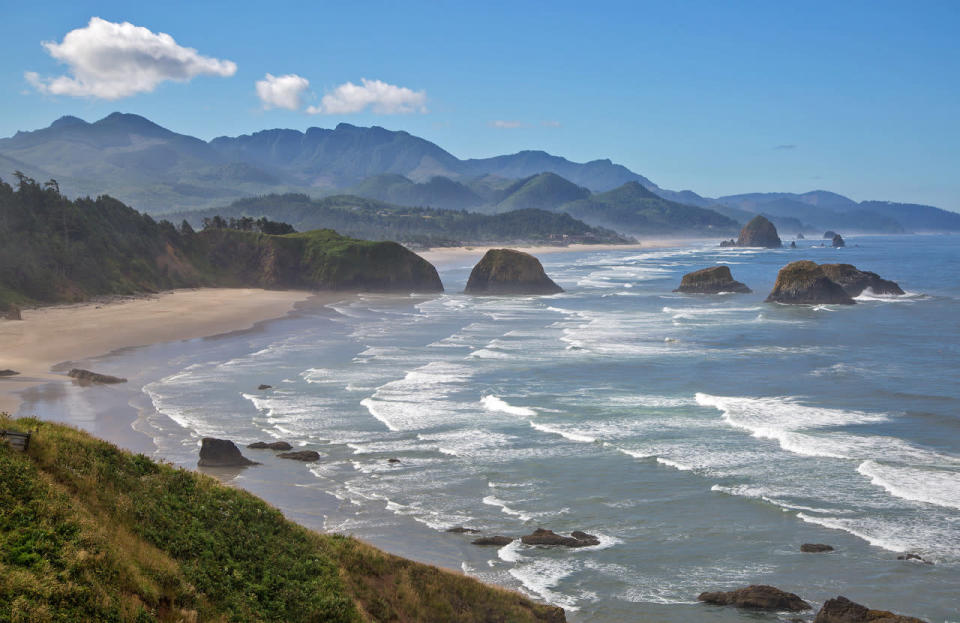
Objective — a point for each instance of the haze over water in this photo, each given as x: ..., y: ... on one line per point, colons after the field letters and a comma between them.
x: 703, y: 438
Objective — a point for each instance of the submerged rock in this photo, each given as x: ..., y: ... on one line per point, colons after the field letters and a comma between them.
x: 916, y: 557
x: 462, y: 530
x: 505, y: 271
x: 759, y: 232
x: 12, y: 313
x: 838, y: 241
x: 757, y: 597
x: 302, y: 455
x: 814, y: 548
x: 8, y: 373
x: 542, y: 536
x: 855, y: 281
x: 499, y: 541
x: 805, y: 283
x: 393, y: 460
x: 842, y: 610
x: 264, y: 386
x: 711, y: 280
x: 270, y: 445
x: 86, y: 377
x: 221, y: 453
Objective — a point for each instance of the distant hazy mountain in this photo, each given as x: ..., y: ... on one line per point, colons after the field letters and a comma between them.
x: 545, y: 191
x: 438, y: 192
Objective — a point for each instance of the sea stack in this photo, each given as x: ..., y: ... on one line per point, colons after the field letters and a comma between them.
x: 842, y: 610
x: 855, y: 281
x: 759, y: 232
x: 713, y: 280
x: 838, y: 241
x: 757, y: 597
x: 805, y: 283
x: 829, y: 234
x: 221, y: 453
x: 506, y: 271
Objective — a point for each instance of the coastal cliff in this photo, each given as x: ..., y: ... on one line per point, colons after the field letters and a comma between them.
x: 94, y: 533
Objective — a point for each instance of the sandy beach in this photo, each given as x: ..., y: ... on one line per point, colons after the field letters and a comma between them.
x: 51, y: 335
x: 448, y: 254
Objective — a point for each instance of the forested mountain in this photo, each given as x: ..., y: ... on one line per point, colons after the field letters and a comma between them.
x: 546, y: 191
x: 438, y: 192
x: 376, y: 220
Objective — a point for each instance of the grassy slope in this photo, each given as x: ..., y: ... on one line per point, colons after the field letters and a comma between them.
x: 89, y: 532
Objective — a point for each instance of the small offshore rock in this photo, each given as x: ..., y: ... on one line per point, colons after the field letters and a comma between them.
x: 800, y: 236
x: 264, y: 386
x: 462, y: 530
x: 842, y: 610
x: 221, y: 453
x: 86, y: 377
x: 793, y: 245
x: 507, y: 271
x: 759, y: 232
x: 838, y: 241
x: 814, y: 548
x: 542, y: 536
x: 270, y: 445
x: 712, y: 280
x: 12, y: 313
x: 916, y: 557
x: 8, y: 373
x: 757, y: 597
x: 854, y: 281
x: 302, y: 455
x: 806, y: 283
x: 499, y: 541
x: 393, y: 460
x: 728, y: 243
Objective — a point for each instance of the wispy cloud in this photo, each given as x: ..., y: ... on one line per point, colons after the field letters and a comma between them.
x: 785, y: 147
x: 113, y: 60
x: 282, y: 91
x: 550, y: 124
x: 509, y: 125
x: 380, y: 97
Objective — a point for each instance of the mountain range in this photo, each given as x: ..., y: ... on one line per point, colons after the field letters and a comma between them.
x: 159, y: 171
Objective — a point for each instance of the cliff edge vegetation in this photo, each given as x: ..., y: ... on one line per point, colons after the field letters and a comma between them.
x: 89, y: 532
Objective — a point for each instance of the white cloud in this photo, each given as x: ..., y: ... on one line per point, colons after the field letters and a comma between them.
x: 550, y: 124
x: 110, y: 61
x: 508, y: 125
x: 382, y: 98
x: 282, y: 91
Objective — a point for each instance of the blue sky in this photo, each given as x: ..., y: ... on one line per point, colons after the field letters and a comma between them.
x: 862, y: 98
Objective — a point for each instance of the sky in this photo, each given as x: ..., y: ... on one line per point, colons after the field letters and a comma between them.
x: 861, y: 98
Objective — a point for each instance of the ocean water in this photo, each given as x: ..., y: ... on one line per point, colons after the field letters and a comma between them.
x: 702, y: 438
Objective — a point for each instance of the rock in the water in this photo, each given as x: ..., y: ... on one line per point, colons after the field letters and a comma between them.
x: 855, y: 281
x: 758, y: 597
x: 270, y: 445
x: 302, y: 455
x: 499, y: 541
x: 86, y: 377
x: 805, y: 283
x: 838, y: 241
x: 842, y: 610
x: 462, y: 530
x: 916, y: 557
x: 793, y: 245
x: 264, y: 386
x: 814, y: 548
x: 12, y: 313
x: 728, y: 243
x: 8, y: 373
x: 221, y: 453
x: 711, y: 280
x: 393, y: 460
x: 800, y: 236
x: 505, y: 271
x: 542, y: 536
x: 829, y: 234
x: 759, y: 232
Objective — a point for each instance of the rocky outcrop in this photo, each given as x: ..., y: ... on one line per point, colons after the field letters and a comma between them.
x: 264, y: 386
x: 505, y: 271
x: 499, y: 541
x: 542, y: 536
x: 462, y: 530
x: 86, y: 377
x: 805, y: 283
x: 838, y: 242
x: 800, y: 236
x: 815, y: 548
x: 221, y: 453
x: 270, y: 445
x: 308, y: 456
x: 916, y: 557
x: 842, y: 610
x: 855, y: 281
x: 759, y: 232
x: 12, y: 313
x: 757, y: 597
x: 711, y: 280
x: 728, y: 243
x: 829, y: 234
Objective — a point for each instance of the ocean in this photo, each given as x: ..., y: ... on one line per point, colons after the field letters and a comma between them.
x: 702, y: 438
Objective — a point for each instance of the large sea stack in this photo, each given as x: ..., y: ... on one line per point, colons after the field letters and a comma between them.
x: 805, y: 283
x: 711, y: 280
x: 855, y: 281
x: 505, y: 271
x: 759, y: 232
x: 221, y: 453
x: 838, y: 242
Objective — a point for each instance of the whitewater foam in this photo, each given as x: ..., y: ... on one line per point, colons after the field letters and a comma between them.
x: 497, y: 404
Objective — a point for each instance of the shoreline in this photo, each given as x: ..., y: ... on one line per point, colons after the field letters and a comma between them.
x: 49, y: 337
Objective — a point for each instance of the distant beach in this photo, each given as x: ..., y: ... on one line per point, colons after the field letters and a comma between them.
x: 446, y: 254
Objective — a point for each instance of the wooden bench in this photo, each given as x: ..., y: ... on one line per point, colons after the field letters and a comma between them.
x: 19, y: 441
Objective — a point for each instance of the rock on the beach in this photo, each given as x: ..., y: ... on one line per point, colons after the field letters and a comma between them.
x: 221, y: 453
x: 270, y: 445
x: 301, y: 455
x: 842, y: 610
x: 506, y: 271
x: 264, y: 386
x: 805, y: 283
x: 838, y: 241
x: 8, y: 373
x: 12, y: 313
x: 814, y: 548
x: 855, y: 281
x: 86, y: 377
x: 542, y: 536
x: 499, y: 541
x: 711, y: 280
x: 759, y: 232
x: 758, y: 597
